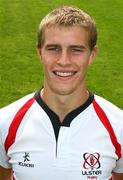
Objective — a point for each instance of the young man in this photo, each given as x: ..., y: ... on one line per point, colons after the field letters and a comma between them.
x: 63, y: 131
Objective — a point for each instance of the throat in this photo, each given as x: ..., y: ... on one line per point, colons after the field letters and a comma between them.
x: 62, y: 114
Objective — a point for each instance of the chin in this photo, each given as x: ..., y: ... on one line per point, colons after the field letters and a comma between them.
x: 63, y: 91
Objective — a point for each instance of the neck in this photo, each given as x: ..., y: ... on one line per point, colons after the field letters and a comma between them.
x: 64, y: 104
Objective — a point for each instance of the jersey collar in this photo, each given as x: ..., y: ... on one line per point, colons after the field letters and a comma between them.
x: 70, y: 116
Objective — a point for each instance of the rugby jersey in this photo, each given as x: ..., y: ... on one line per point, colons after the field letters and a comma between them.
x: 36, y: 145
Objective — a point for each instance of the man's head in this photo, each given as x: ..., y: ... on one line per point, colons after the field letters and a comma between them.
x: 68, y: 16
x: 66, y: 46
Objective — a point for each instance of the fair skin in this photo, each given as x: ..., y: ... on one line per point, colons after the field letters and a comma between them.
x: 65, y: 56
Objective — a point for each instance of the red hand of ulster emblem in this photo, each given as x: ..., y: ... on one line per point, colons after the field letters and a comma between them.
x: 91, y: 161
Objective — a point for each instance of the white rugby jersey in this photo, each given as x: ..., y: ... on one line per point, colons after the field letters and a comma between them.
x: 37, y: 146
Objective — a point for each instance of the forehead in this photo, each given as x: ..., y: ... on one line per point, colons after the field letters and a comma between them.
x: 66, y: 35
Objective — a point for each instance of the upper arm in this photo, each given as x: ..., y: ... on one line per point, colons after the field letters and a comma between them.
x: 117, y: 176
x: 5, y: 174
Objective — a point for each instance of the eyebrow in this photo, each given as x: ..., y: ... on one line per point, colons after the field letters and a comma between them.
x: 52, y: 45
x: 78, y: 46
x: 71, y: 46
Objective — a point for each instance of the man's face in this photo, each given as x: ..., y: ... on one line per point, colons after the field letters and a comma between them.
x: 65, y: 56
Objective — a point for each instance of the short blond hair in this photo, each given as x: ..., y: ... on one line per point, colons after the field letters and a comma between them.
x: 68, y: 16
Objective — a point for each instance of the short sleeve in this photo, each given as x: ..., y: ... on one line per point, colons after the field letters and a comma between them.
x: 3, y: 155
x: 119, y: 164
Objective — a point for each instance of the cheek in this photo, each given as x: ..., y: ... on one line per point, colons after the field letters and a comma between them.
x: 48, y: 60
x: 47, y: 66
x: 45, y: 62
x: 82, y: 63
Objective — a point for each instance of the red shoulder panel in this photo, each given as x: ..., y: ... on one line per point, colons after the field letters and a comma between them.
x: 103, y: 118
x: 10, y: 139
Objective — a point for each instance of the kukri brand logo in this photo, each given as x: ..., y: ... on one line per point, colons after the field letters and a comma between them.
x: 26, y: 161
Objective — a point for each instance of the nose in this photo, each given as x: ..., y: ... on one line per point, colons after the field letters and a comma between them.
x: 64, y: 58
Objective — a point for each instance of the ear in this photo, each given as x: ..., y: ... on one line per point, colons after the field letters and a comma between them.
x: 38, y: 51
x: 93, y: 54
x: 39, y: 54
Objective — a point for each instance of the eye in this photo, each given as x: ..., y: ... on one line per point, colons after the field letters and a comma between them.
x: 77, y: 50
x: 53, y: 49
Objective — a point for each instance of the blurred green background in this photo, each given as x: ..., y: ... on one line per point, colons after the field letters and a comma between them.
x: 20, y: 69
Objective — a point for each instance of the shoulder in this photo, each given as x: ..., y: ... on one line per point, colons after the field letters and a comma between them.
x: 111, y: 112
x: 7, y: 113
x: 110, y: 109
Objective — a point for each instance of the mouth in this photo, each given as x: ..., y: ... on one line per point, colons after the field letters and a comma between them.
x: 64, y: 74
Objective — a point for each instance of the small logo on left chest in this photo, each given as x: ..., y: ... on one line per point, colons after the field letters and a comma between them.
x: 26, y: 160
x: 26, y: 157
